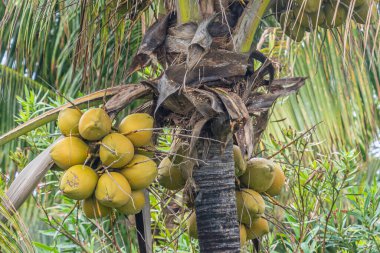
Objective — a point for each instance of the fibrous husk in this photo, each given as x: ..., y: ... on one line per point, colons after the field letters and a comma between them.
x: 78, y: 182
x: 138, y: 127
x: 259, y: 175
x: 113, y: 190
x: 69, y: 151
x: 278, y: 182
x: 240, y: 164
x: 140, y: 172
x: 93, y: 209
x: 116, y: 150
x: 94, y: 124
x: 250, y: 206
x: 169, y: 175
x: 259, y: 228
x: 192, y: 226
x: 68, y: 121
x: 135, y: 204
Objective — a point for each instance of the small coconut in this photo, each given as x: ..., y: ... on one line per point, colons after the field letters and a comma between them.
x: 138, y: 127
x: 243, y: 234
x: 93, y: 209
x: 250, y: 206
x: 278, y: 182
x: 292, y: 27
x: 170, y: 176
x: 140, y: 172
x: 259, y: 175
x: 78, y: 182
x: 116, y: 150
x: 240, y: 164
x: 334, y: 20
x: 259, y: 228
x: 192, y: 226
x: 113, y: 190
x: 68, y: 121
x: 362, y: 12
x: 69, y: 151
x: 94, y: 124
x: 135, y: 204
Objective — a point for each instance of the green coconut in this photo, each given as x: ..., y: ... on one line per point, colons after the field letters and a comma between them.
x: 113, y: 190
x: 138, y: 127
x: 259, y: 175
x: 170, y: 176
x: 94, y: 124
x: 78, y: 182
x: 69, y: 151
x: 140, y: 172
x: 240, y: 164
x: 68, y: 121
x: 135, y: 204
x: 362, y: 12
x: 278, y: 182
x: 333, y: 20
x: 259, y: 228
x: 93, y: 209
x: 309, y: 6
x: 116, y: 150
x: 292, y: 27
x: 250, y: 206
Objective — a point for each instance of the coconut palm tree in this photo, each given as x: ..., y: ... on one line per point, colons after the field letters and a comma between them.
x: 212, y: 82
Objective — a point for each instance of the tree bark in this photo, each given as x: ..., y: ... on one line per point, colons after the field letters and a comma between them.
x: 215, y: 204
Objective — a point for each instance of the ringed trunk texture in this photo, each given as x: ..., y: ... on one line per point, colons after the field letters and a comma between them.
x: 215, y: 204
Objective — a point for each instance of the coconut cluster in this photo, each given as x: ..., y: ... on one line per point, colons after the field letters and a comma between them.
x: 257, y: 176
x: 102, y: 167
x: 300, y: 16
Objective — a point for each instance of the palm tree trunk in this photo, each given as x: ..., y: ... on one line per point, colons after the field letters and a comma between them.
x: 215, y: 204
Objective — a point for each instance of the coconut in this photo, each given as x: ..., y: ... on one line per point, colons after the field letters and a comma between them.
x: 94, y: 124
x: 309, y: 20
x: 93, y: 209
x: 78, y: 182
x: 113, y: 190
x: 278, y: 182
x: 357, y: 3
x: 116, y: 150
x: 361, y: 13
x: 69, y: 151
x: 259, y: 175
x: 292, y: 27
x: 68, y: 121
x: 257, y: 229
x: 240, y: 165
x: 138, y: 128
x: 140, y: 172
x: 333, y: 20
x: 169, y: 175
x: 192, y: 226
x: 135, y: 204
x: 243, y: 234
x: 250, y: 206
x: 310, y: 6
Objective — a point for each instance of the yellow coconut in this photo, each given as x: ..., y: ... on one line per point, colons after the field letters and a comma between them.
x: 192, y: 226
x: 94, y: 124
x: 69, y: 151
x: 278, y: 182
x: 113, y: 190
x: 138, y: 128
x: 135, y: 204
x: 68, y: 121
x: 116, y: 150
x: 259, y: 175
x: 78, y: 182
x: 170, y: 176
x: 240, y: 164
x: 250, y: 206
x: 243, y: 234
x: 259, y: 228
x: 334, y: 20
x: 93, y: 209
x: 140, y: 172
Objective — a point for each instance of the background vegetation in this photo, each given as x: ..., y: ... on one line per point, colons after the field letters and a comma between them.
x: 325, y: 137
